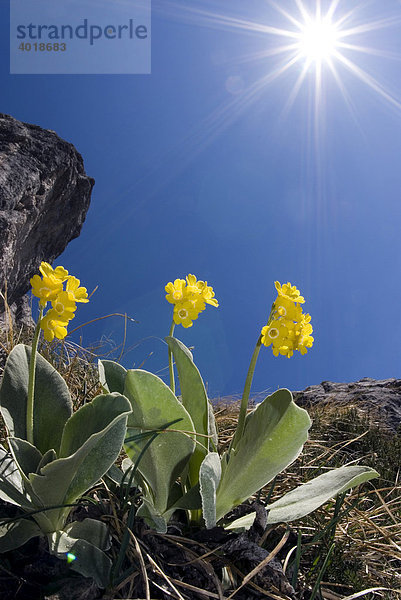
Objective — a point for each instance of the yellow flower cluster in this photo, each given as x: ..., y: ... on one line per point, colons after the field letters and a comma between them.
x: 189, y: 297
x: 49, y: 288
x: 288, y: 328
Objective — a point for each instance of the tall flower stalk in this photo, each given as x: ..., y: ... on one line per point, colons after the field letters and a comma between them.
x: 287, y: 329
x: 170, y: 361
x: 31, y: 382
x: 189, y: 297
x: 49, y: 288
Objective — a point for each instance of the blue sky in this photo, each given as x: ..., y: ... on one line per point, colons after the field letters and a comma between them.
x: 202, y: 167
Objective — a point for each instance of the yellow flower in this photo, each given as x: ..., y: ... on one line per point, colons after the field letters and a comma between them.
x: 287, y: 308
x: 58, y: 272
x: 289, y: 328
x: 175, y: 291
x: 79, y: 294
x: 197, y: 302
x: 305, y: 340
x: 289, y: 291
x: 208, y: 294
x: 192, y: 285
x: 49, y: 287
x: 190, y: 297
x: 53, y: 326
x: 46, y: 289
x: 274, y: 333
x: 64, y: 305
x: 185, y: 313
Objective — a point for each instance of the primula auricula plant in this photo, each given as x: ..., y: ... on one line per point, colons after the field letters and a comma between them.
x: 189, y: 297
x: 172, y: 441
x: 54, y: 455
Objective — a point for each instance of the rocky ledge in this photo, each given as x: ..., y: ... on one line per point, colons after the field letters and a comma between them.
x: 44, y: 197
x: 378, y: 400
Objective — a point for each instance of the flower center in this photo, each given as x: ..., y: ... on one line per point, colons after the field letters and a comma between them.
x: 182, y: 313
x: 177, y: 295
x: 273, y: 333
x: 59, y: 307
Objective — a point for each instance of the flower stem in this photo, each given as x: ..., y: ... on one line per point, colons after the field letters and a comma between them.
x: 247, y: 389
x: 245, y: 396
x: 170, y: 361
x: 31, y: 382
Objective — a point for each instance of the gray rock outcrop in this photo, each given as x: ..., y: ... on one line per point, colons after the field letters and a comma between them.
x: 378, y: 400
x: 44, y: 197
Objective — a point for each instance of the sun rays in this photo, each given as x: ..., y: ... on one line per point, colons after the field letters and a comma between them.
x: 306, y: 55
x: 325, y: 37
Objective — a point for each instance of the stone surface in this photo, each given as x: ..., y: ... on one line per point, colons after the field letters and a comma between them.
x: 44, y: 197
x: 379, y: 400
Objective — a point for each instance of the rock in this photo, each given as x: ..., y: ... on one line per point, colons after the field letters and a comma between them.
x: 379, y: 400
x: 44, y: 197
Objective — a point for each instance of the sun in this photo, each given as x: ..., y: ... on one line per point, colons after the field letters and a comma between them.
x: 318, y: 40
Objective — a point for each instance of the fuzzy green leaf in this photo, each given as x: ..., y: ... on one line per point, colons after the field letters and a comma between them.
x: 242, y: 523
x: 309, y: 496
x: 152, y: 517
x: 52, y: 405
x: 91, y: 442
x: 194, y: 398
x: 190, y: 501
x: 89, y: 561
x: 47, y: 458
x: 274, y: 434
x: 11, y: 486
x: 112, y: 376
x: 93, y: 531
x: 16, y: 534
x: 25, y: 455
x: 153, y: 406
x: 209, y: 477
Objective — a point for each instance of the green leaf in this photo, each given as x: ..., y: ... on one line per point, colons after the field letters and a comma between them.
x: 116, y: 475
x: 309, y: 496
x: 274, y: 434
x: 91, y: 442
x: 243, y: 523
x: 209, y: 477
x: 194, y: 399
x: 91, y: 419
x: 154, y: 405
x: 11, y: 486
x: 152, y: 517
x: 112, y: 375
x: 47, y: 458
x: 190, y: 501
x: 93, y: 531
x: 25, y: 455
x: 89, y: 561
x: 214, y: 435
x: 52, y: 406
x: 16, y: 534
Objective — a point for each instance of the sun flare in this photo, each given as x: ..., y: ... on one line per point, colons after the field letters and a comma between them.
x: 322, y: 50
x: 318, y: 40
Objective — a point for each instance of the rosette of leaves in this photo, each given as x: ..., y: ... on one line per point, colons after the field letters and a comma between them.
x: 70, y: 453
x: 181, y: 468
